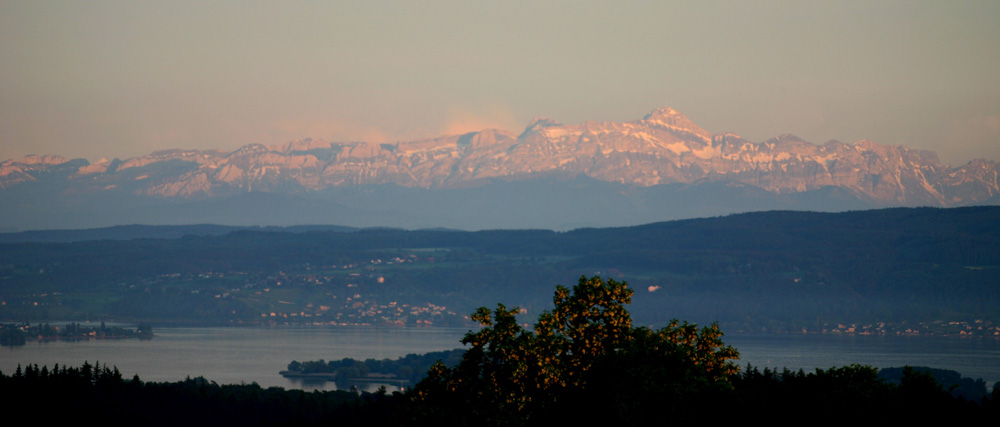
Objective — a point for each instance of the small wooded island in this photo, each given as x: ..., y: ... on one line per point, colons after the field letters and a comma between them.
x: 13, y: 334
x: 403, y: 372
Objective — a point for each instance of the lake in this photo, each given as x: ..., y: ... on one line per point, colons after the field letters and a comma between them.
x: 233, y: 355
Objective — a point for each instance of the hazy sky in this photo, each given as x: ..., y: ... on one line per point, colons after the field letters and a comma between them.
x: 120, y: 79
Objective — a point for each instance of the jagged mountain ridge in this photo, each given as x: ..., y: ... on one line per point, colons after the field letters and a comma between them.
x: 662, y: 148
x: 549, y: 176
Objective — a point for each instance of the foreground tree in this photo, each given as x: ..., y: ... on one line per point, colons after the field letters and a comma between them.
x: 584, y: 352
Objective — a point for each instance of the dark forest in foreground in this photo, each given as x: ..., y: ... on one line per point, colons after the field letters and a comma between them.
x: 101, y: 395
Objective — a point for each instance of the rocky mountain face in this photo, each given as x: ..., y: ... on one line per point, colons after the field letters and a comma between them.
x: 663, y: 148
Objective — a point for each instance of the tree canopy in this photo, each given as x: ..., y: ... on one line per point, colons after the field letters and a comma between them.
x: 584, y: 346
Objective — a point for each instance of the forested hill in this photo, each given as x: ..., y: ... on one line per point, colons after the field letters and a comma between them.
x: 757, y: 271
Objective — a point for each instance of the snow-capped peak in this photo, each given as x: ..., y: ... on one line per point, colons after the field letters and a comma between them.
x: 673, y: 119
x: 537, y: 124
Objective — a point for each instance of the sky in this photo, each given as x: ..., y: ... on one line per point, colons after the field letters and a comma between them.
x: 106, y: 79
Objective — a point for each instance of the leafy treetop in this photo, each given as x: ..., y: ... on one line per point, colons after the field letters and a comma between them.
x: 585, y: 343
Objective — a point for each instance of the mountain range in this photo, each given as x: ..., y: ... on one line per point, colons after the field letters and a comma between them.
x: 550, y: 175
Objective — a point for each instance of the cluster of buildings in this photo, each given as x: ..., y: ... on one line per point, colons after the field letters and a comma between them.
x: 938, y: 328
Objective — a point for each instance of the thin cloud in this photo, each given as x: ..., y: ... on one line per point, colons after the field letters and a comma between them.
x: 463, y: 121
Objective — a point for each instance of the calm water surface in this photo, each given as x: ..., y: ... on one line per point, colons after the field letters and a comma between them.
x: 972, y: 357
x: 256, y: 354
x: 237, y: 354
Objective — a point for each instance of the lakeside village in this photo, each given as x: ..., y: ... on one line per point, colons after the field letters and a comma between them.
x: 352, y: 293
x: 348, y: 297
x: 975, y: 328
x: 355, y: 294
x: 12, y: 334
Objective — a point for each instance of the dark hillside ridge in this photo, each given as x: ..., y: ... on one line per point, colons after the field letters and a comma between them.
x: 777, y: 270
